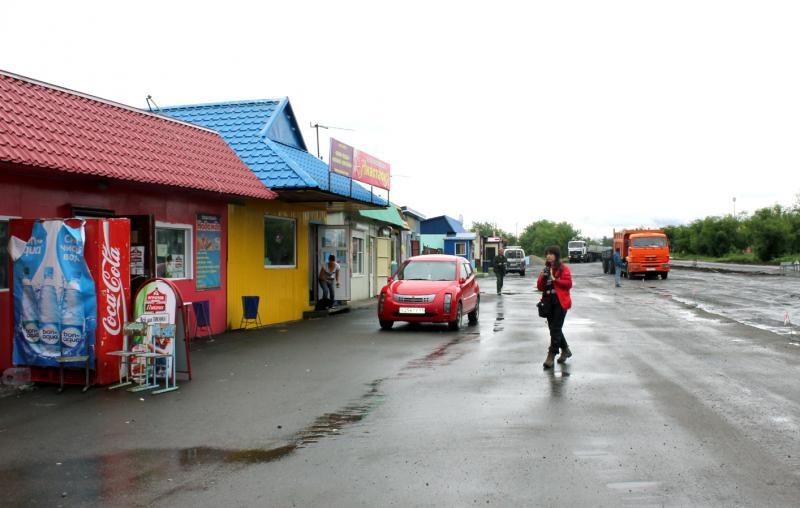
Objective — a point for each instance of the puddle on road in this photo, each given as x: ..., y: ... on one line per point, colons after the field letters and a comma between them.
x: 131, y: 472
x: 558, y: 379
x: 442, y: 355
x: 591, y: 453
x: 631, y: 486
x: 576, y: 321
x: 498, y: 323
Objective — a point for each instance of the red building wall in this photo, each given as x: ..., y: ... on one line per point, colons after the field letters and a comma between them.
x: 30, y: 194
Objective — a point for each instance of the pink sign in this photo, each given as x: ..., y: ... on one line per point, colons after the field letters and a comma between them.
x: 372, y: 171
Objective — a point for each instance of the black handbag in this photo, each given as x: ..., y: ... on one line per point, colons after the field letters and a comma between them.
x: 545, y: 306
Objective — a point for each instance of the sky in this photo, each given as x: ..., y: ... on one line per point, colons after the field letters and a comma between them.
x: 602, y: 114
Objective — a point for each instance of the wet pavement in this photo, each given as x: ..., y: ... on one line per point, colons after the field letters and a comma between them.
x: 711, y: 266
x: 666, y: 402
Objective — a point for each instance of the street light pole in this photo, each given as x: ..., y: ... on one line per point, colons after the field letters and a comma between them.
x: 734, y: 207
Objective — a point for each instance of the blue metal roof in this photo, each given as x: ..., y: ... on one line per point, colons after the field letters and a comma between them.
x: 441, y: 225
x: 265, y: 135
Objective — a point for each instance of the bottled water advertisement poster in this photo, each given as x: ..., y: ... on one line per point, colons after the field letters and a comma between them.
x: 54, y: 295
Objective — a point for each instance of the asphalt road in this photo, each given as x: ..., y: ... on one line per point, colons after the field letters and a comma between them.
x: 664, y: 403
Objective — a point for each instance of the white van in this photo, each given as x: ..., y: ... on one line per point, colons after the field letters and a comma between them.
x: 515, y: 257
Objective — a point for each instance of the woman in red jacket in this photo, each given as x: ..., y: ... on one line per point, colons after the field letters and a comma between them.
x: 555, y: 281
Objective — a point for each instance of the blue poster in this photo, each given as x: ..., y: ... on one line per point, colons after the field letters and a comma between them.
x: 54, y: 296
x: 208, y: 247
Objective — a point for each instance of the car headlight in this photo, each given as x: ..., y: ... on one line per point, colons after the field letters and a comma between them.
x: 448, y: 300
x: 635, y: 267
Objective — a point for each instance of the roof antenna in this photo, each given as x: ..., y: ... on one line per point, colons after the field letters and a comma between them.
x: 151, y: 103
x: 318, y: 127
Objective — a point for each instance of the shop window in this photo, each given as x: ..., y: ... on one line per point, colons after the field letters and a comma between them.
x: 280, y: 242
x: 3, y: 254
x: 173, y: 251
x: 461, y: 249
x: 358, y: 256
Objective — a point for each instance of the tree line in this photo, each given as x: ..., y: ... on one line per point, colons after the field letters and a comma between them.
x: 536, y: 236
x: 769, y: 234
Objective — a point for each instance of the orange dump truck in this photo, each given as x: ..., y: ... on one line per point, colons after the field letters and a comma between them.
x: 644, y: 252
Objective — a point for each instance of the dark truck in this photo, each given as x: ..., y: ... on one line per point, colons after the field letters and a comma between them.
x: 581, y: 252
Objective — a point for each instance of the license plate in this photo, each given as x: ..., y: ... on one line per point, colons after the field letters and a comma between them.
x: 651, y: 269
x: 412, y: 310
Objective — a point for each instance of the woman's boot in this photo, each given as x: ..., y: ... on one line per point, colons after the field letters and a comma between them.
x: 548, y: 362
x: 565, y: 353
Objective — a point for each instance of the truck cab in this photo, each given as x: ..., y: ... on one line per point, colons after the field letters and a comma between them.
x: 644, y: 252
x: 577, y: 251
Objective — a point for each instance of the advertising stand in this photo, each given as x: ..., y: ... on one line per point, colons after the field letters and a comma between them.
x: 71, y: 285
x: 150, y: 352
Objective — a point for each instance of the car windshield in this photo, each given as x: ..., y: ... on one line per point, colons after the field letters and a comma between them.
x: 575, y: 245
x: 650, y: 241
x: 513, y: 254
x: 428, y: 270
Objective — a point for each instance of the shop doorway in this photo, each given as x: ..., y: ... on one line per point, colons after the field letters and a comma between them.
x: 143, y: 241
x: 335, y: 240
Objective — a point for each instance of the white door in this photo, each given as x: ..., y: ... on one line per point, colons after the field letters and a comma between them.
x: 336, y: 240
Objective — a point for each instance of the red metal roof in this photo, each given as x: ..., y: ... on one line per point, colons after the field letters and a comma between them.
x: 42, y: 125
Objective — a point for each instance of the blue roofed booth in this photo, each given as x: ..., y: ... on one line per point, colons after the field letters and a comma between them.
x: 455, y: 239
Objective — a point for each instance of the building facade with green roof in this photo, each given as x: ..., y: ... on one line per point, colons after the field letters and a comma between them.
x: 376, y: 247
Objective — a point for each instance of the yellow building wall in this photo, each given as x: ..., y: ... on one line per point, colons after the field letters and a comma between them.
x: 283, y: 291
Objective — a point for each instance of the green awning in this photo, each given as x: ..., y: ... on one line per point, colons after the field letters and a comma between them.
x: 390, y: 215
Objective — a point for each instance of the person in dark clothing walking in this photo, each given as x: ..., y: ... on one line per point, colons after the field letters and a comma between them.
x: 618, y: 266
x: 499, y: 264
x: 555, y: 282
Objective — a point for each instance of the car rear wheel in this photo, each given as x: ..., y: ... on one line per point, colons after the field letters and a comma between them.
x: 456, y: 325
x: 664, y: 275
x: 474, y: 315
x: 386, y: 325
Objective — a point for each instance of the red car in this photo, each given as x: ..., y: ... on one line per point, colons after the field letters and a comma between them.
x: 433, y: 289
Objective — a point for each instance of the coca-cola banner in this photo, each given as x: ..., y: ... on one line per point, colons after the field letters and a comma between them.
x: 113, y: 270
x: 55, y: 313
